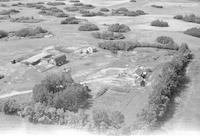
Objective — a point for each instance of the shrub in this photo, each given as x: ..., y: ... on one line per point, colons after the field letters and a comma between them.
x: 188, y: 18
x: 26, y: 32
x: 60, y: 91
x: 180, y: 17
x: 53, y: 12
x: 9, y: 12
x: 104, y: 119
x: 157, y: 6
x: 140, y: 12
x: 193, y: 32
x: 25, y: 20
x: 165, y: 40
x: 104, y: 10
x: 55, y: 3
x: 91, y: 14
x: 132, y: 0
x: 114, y: 46
x: 88, y: 6
x: 71, y: 9
x: 88, y: 27
x: 159, y: 23
x: 74, y: 1
x: 3, y: 34
x: 107, y: 35
x: 70, y: 20
x: 10, y: 107
x: 78, y: 4
x: 119, y: 28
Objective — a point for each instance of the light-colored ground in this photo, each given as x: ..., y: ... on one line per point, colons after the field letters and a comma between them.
x: 101, y: 68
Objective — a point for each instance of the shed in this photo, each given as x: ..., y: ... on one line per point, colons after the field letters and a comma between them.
x: 60, y: 59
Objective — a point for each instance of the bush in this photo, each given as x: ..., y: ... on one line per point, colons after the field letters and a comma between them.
x: 165, y: 40
x: 180, y: 17
x: 26, y: 32
x: 88, y: 27
x: 104, y: 10
x: 159, y: 23
x: 188, y: 18
x: 105, y: 119
x: 55, y: 3
x: 60, y: 91
x: 107, y: 35
x: 70, y: 20
x: 10, y: 107
x: 3, y: 34
x: 132, y: 0
x: 71, y: 9
x: 140, y: 12
x: 78, y: 4
x: 88, y: 6
x: 74, y: 1
x: 53, y: 12
x: 9, y: 12
x: 157, y: 6
x: 91, y: 14
x: 25, y: 20
x: 193, y: 32
x: 119, y: 28
x: 115, y: 46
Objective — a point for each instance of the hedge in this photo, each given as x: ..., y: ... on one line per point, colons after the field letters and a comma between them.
x: 166, y: 87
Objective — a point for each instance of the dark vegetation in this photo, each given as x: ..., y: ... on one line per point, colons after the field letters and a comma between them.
x: 104, y: 10
x: 91, y: 13
x: 115, y: 46
x: 119, y: 28
x: 36, y: 5
x: 74, y: 1
x: 107, y: 35
x: 25, y: 20
x: 125, y: 12
x: 31, y: 32
x: 9, y: 12
x: 159, y: 23
x: 165, y: 40
x: 78, y: 4
x: 53, y: 11
x: 193, y: 32
x: 58, y: 100
x: 157, y: 6
x: 10, y: 107
x: 55, y: 3
x: 166, y: 86
x: 60, y: 91
x: 188, y: 18
x: 132, y: 0
x: 3, y: 34
x: 88, y: 27
x: 71, y: 20
x: 72, y: 9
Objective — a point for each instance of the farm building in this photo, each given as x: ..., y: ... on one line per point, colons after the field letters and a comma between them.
x: 59, y: 60
x: 37, y: 58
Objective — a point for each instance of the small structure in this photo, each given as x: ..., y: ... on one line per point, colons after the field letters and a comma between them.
x: 88, y: 50
x: 37, y: 58
x: 59, y: 60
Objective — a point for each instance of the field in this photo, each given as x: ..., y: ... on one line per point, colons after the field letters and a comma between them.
x: 104, y: 70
